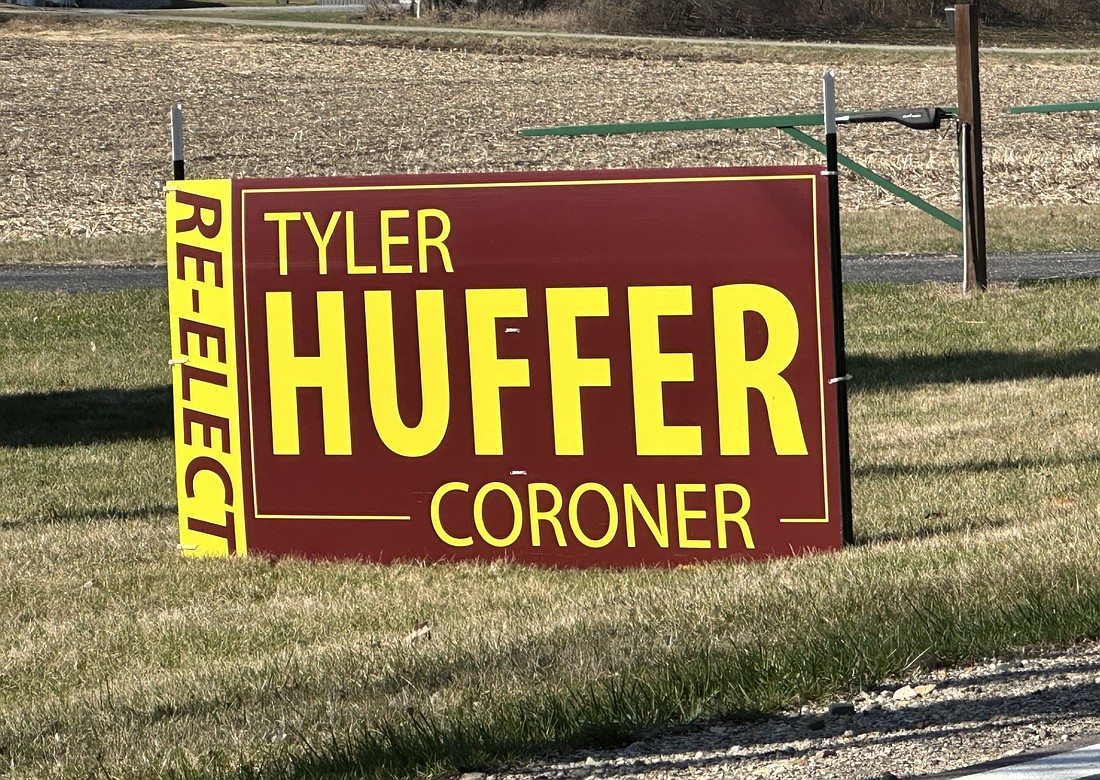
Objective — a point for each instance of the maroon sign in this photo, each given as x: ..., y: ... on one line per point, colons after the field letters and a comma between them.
x: 580, y: 368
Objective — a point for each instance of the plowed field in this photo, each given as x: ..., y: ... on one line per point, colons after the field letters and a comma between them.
x: 84, y: 113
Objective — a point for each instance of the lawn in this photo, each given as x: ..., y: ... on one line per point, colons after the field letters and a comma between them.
x: 975, y: 476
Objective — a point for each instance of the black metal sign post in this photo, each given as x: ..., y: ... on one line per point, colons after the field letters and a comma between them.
x: 914, y: 119
x: 840, y: 381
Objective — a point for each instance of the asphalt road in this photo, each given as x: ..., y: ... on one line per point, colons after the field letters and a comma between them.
x: 900, y: 269
x: 1077, y: 761
x: 1030, y: 266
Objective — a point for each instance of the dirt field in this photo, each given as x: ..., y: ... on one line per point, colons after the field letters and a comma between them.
x: 84, y: 112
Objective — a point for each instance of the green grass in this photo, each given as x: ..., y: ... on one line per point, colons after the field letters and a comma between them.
x: 125, y: 249
x: 1060, y: 228
x: 976, y: 479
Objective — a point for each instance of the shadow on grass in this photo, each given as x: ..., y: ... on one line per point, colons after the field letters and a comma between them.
x: 877, y: 373
x: 71, y: 417
x: 54, y: 517
x: 935, y: 526
x: 1023, y: 463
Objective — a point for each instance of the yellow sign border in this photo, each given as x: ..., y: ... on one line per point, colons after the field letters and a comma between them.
x: 822, y: 379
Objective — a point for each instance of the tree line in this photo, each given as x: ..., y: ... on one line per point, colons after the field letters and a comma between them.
x: 758, y: 17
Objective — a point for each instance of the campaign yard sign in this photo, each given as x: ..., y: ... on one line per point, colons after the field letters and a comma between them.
x: 606, y: 368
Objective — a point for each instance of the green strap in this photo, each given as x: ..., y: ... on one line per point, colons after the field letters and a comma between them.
x: 725, y: 123
x: 722, y: 123
x: 881, y: 181
x: 1054, y: 108
x: 787, y: 123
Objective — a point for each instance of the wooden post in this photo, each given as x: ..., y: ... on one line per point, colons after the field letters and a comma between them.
x: 970, y: 118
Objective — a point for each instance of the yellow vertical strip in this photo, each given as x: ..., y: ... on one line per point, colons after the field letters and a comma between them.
x: 205, y: 385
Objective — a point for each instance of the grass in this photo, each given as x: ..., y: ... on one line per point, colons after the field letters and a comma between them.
x: 1061, y: 228
x: 126, y: 249
x: 976, y: 479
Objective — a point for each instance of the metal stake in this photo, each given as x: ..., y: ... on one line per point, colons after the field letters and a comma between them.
x: 842, y: 377
x: 177, y: 142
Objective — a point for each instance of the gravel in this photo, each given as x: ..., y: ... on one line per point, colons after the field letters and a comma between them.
x: 937, y: 721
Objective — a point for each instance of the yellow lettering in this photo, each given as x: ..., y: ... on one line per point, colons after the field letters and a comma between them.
x: 424, y: 241
x: 736, y: 373
x: 544, y: 504
x: 288, y: 372
x: 282, y: 217
x: 479, y: 514
x: 549, y: 515
x: 349, y: 239
x: 658, y: 528
x: 651, y: 369
x: 389, y: 240
x: 569, y: 372
x: 437, y: 521
x: 723, y: 516
x: 488, y: 371
x: 683, y: 514
x: 612, y: 515
x: 435, y: 392
x: 322, y: 241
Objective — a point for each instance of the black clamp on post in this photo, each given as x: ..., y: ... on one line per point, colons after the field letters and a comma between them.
x: 914, y: 118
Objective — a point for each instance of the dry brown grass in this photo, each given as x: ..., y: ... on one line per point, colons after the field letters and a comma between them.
x: 85, y: 110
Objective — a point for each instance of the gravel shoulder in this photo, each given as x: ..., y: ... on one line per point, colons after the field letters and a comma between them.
x: 943, y: 720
